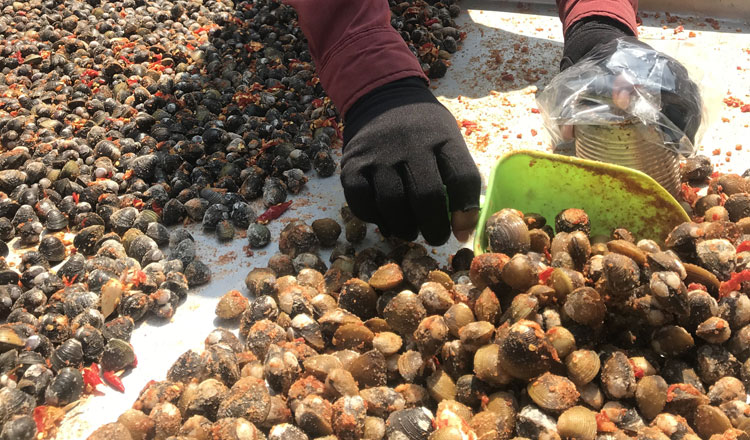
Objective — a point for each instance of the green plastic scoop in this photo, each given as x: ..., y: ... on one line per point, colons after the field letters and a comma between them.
x: 613, y: 196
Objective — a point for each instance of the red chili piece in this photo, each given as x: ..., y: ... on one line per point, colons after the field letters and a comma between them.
x: 545, y: 274
x: 744, y: 246
x: 273, y: 212
x: 91, y: 376
x: 734, y: 282
x: 156, y: 208
x: 113, y: 381
x: 40, y: 414
x: 689, y: 194
x: 604, y: 424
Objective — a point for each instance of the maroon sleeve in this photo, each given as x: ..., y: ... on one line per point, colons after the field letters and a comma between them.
x: 354, y: 47
x: 621, y: 10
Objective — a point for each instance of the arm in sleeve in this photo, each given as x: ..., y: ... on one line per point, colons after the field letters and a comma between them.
x: 623, y: 11
x: 354, y: 47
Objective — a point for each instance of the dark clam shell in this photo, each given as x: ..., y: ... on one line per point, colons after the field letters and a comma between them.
x: 10, y: 179
x: 107, y: 148
x: 85, y: 219
x: 92, y: 343
x: 9, y: 276
x: 164, y: 302
x: 187, y: 367
x: 7, y: 230
x: 621, y: 272
x: 112, y: 249
x: 224, y: 231
x: 140, y: 246
x: 56, y: 220
x: 52, y: 248
x: 32, y: 300
x: 173, y: 212
x: 24, y: 214
x: 196, y: 209
x: 20, y: 428
x: 258, y: 235
x: 670, y: 292
x: 525, y: 351
x: 177, y: 236
x: 55, y: 326
x: 68, y: 354
x: 119, y: 328
x: 82, y: 306
x: 242, y: 215
x: 274, y: 191
x: 123, y: 219
x: 152, y: 256
x: 86, y: 239
x: 40, y: 344
x: 159, y: 233
x: 117, y: 355
x: 135, y: 305
x: 184, y: 251
x: 73, y: 268
x: 572, y: 219
x: 34, y: 258
x: 35, y: 380
x: 252, y: 186
x: 295, y: 180
x: 507, y: 233
x: 29, y: 232
x: 211, y: 196
x: 213, y: 215
x: 104, y: 212
x: 412, y: 423
x: 177, y: 282
x: 145, y: 218
x: 14, y: 402
x: 226, y: 337
x: 65, y: 388
x: 197, y: 273
x: 129, y: 236
x: 145, y: 166
x: 220, y: 362
x: 43, y: 208
x: 324, y: 163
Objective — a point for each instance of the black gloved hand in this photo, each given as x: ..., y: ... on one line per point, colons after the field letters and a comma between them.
x: 402, y: 152
x: 593, y: 37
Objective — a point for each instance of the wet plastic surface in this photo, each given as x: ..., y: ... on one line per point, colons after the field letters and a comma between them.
x: 657, y: 91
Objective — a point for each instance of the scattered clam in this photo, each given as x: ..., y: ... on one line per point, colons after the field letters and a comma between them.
x: 163, y: 114
x: 330, y: 353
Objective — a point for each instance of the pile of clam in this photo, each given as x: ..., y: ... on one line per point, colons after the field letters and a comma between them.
x: 119, y: 119
x: 553, y: 333
x: 429, y: 31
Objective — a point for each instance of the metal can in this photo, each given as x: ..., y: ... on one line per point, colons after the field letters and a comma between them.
x: 634, y: 145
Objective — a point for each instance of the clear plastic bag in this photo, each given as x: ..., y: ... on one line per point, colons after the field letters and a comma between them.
x: 625, y: 82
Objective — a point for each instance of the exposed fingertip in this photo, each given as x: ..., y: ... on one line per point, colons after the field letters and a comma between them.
x: 462, y: 236
x: 463, y: 223
x: 621, y: 99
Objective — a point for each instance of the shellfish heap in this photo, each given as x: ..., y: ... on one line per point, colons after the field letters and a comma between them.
x: 119, y: 119
x: 553, y: 333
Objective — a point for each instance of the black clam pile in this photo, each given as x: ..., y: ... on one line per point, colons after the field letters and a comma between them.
x: 119, y: 119
x: 430, y: 32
